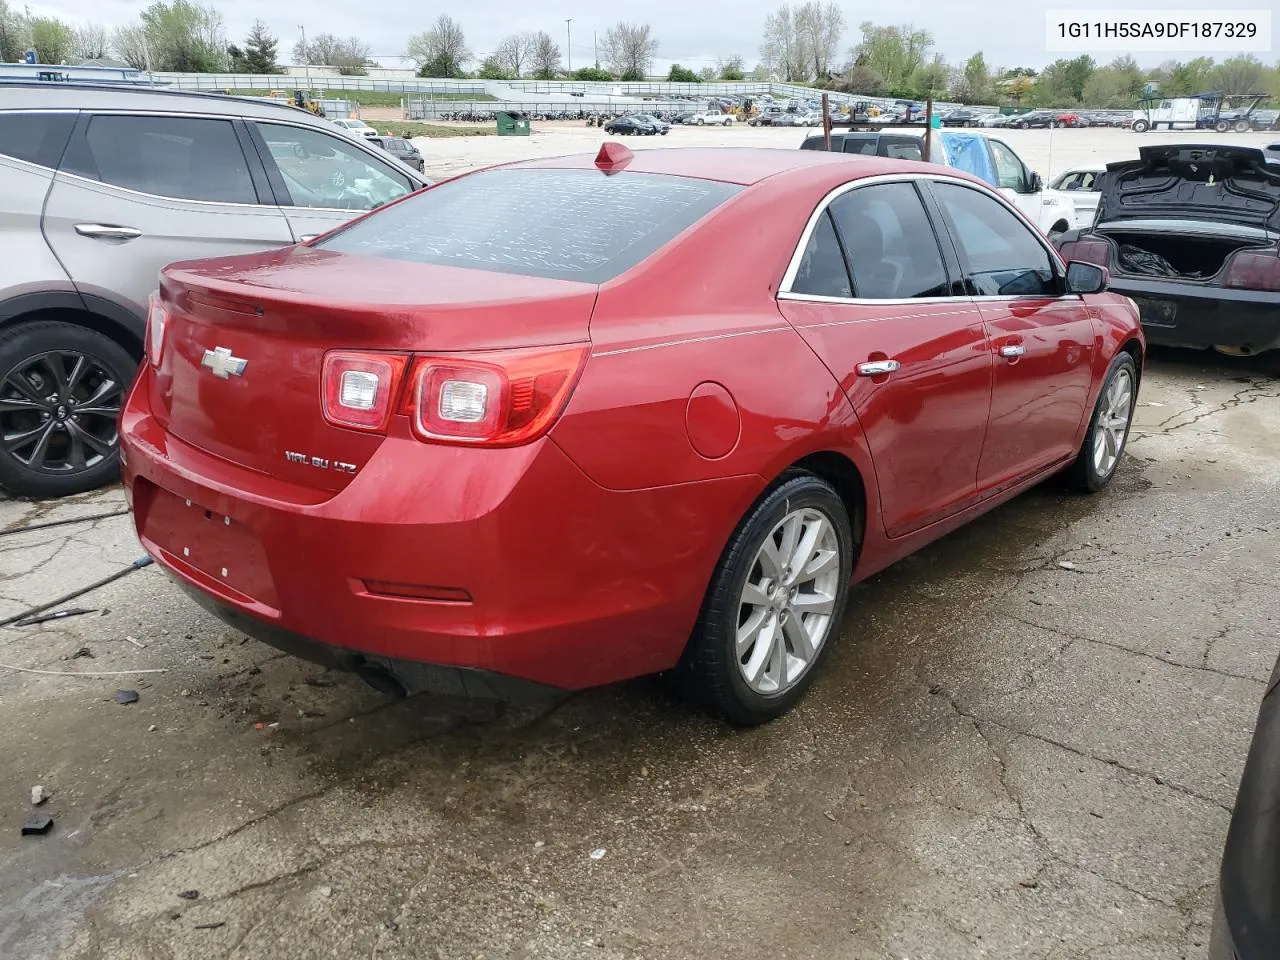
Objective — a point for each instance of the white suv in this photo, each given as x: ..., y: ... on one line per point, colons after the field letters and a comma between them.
x: 355, y: 128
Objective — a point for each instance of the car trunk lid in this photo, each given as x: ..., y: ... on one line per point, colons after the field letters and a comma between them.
x: 240, y: 376
x: 1223, y: 184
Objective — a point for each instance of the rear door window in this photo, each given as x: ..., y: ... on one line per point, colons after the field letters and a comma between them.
x: 862, y: 145
x: 901, y: 149
x: 892, y: 250
x: 559, y: 224
x: 1002, y: 256
x: 35, y: 137
x: 186, y: 158
x: 822, y: 271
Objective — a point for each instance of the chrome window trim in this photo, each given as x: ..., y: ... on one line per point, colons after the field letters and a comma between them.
x: 793, y: 266
x: 160, y: 196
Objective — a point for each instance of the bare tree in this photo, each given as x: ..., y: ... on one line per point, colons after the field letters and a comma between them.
x: 820, y: 28
x: 89, y: 42
x: 130, y: 45
x: 441, y: 51
x: 783, y: 47
x: 515, y: 52
x: 544, y: 61
x: 729, y: 68
x: 351, y: 56
x: 629, y: 49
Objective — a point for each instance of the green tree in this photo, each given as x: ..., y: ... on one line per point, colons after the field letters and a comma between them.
x: 184, y: 37
x: 895, y: 53
x: 1062, y: 82
x: 260, y: 50
x: 974, y: 83
x: 493, y: 67
x: 594, y: 74
x: 730, y: 68
x: 1243, y: 73
x: 1118, y: 84
x: 1185, y: 79
x: 51, y: 39
x: 929, y: 81
x: 679, y: 74
x: 15, y: 35
x: 441, y: 51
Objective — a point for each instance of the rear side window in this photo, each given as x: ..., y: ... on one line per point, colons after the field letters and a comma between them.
x: 822, y: 270
x: 1004, y: 258
x: 863, y: 145
x: 892, y: 249
x: 185, y: 158
x: 35, y: 137
x: 558, y: 224
x: 902, y: 149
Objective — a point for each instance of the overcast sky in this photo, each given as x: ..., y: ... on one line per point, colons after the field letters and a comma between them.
x: 1009, y: 32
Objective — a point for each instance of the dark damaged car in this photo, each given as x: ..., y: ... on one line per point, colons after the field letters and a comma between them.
x: 1192, y: 234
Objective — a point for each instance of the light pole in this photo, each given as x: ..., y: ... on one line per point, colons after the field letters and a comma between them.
x: 306, y: 55
x: 568, y: 39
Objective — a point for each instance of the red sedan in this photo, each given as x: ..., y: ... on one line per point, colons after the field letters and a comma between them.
x: 575, y: 420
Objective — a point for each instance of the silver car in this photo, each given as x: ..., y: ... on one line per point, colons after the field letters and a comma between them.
x: 100, y: 187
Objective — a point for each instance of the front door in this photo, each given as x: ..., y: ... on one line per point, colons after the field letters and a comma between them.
x: 1014, y: 181
x: 871, y: 297
x: 1042, y: 341
x: 136, y: 192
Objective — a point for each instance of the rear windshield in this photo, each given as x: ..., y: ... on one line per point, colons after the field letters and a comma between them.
x: 559, y: 224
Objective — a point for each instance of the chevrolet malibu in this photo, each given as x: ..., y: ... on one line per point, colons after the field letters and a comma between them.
x: 570, y: 421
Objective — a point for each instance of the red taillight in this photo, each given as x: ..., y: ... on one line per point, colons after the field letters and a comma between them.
x: 157, y: 321
x: 358, y: 389
x: 1090, y: 251
x: 500, y: 398
x: 1254, y: 270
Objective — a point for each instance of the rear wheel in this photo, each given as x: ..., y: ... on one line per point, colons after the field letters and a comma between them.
x: 1104, y: 442
x: 1222, y: 126
x: 775, y: 602
x: 61, y: 390
x: 1242, y: 126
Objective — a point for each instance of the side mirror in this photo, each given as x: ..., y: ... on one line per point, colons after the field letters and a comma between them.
x: 1035, y: 183
x: 1086, y: 277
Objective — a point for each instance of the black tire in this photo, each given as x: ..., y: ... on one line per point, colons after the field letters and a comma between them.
x: 1083, y: 474
x: 1241, y: 126
x: 1222, y: 126
x: 1139, y: 126
x: 710, y: 668
x: 19, y: 347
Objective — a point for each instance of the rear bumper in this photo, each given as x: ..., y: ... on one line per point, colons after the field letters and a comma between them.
x: 1190, y: 315
x: 554, y: 579
x: 1247, y: 926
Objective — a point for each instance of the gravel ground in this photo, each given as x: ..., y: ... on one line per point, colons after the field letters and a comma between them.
x: 1005, y: 757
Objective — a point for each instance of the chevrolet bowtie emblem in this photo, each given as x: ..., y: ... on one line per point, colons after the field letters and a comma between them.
x: 223, y: 364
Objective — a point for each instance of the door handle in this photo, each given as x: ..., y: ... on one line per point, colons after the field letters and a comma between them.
x: 103, y: 231
x: 1012, y: 350
x: 877, y: 368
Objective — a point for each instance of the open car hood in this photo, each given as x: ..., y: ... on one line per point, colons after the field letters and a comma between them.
x: 1193, y: 182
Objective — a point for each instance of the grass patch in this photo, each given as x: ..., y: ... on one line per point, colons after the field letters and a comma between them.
x: 366, y: 98
x: 401, y: 128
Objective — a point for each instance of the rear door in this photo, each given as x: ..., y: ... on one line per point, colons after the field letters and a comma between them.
x: 873, y: 297
x: 1042, y: 341
x: 135, y: 192
x: 323, y: 179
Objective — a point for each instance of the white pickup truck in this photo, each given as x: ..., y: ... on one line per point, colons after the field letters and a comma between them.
x: 712, y: 116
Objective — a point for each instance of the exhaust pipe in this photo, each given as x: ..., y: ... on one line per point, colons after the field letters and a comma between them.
x: 382, y: 680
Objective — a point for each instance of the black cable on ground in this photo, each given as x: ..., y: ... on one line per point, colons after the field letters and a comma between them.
x: 136, y: 565
x: 62, y: 523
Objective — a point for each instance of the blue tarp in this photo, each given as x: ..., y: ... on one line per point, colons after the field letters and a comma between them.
x: 967, y: 152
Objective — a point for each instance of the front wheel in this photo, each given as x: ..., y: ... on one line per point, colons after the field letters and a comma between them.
x: 1242, y: 126
x: 1222, y: 126
x: 1139, y: 126
x: 1108, y: 431
x: 61, y: 389
x: 775, y: 602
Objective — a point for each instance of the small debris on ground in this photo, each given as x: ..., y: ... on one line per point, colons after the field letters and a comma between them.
x: 1066, y: 565
x: 125, y: 696
x: 32, y: 620
x: 184, y: 693
x: 1030, y: 884
x: 539, y: 844
x: 829, y: 815
x: 211, y: 926
x: 597, y: 853
x: 37, y: 825
x: 82, y: 652
x: 390, y: 924
x: 190, y: 895
x: 325, y: 891
x: 152, y: 729
x: 136, y: 642
x: 38, y: 796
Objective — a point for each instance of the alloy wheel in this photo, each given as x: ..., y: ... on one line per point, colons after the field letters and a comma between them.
x: 58, y: 412
x: 1112, y: 423
x: 786, y: 605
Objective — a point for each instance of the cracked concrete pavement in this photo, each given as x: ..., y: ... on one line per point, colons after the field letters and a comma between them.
x: 1005, y: 757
